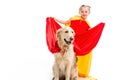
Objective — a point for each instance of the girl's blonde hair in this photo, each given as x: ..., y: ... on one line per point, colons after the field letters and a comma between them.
x: 84, y: 6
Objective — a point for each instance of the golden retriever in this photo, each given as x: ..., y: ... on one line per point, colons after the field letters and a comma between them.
x: 65, y: 67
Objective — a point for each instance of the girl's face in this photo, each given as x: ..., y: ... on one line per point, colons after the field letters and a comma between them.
x: 84, y: 12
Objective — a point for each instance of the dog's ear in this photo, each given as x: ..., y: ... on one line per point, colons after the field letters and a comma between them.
x: 58, y: 33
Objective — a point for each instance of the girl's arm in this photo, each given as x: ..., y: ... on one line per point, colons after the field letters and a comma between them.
x: 61, y: 21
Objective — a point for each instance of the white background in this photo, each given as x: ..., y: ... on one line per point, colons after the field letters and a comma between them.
x: 23, y: 51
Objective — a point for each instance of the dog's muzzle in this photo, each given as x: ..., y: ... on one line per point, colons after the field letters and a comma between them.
x: 68, y: 41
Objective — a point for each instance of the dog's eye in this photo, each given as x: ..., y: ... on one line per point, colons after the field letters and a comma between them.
x: 72, y: 31
x: 66, y: 31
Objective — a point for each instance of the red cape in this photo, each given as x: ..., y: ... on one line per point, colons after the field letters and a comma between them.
x: 85, y: 40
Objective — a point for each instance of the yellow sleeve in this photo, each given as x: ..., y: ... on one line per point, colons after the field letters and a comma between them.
x: 76, y: 17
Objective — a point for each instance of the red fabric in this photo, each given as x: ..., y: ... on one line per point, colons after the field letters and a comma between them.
x: 51, y: 28
x: 85, y: 40
x: 79, y: 26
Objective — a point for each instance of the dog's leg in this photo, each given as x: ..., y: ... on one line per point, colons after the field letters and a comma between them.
x: 68, y: 68
x: 74, y: 73
x: 56, y: 72
x: 74, y: 77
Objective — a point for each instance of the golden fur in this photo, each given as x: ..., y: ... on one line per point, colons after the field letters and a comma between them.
x: 65, y: 67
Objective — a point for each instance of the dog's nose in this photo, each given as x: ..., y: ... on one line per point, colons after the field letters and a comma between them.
x: 71, y: 38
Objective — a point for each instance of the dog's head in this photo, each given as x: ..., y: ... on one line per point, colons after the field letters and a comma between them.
x: 65, y: 36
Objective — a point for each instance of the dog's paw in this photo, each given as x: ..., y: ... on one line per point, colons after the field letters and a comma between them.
x: 53, y: 78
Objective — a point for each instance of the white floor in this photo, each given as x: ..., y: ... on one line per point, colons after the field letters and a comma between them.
x: 23, y: 51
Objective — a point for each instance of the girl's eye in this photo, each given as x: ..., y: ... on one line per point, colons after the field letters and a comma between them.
x: 66, y: 31
x: 82, y: 11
